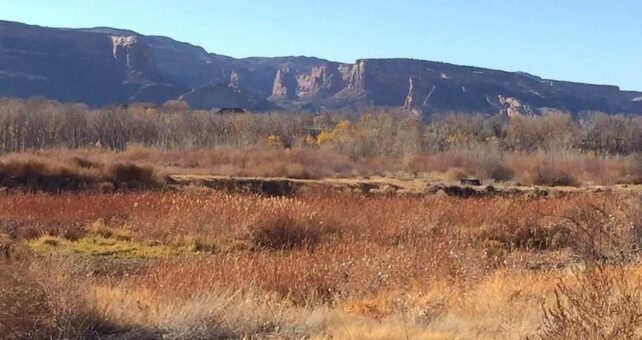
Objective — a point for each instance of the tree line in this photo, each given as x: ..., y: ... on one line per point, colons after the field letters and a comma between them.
x: 39, y: 124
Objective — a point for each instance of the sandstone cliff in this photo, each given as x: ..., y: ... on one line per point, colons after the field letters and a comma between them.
x: 102, y: 66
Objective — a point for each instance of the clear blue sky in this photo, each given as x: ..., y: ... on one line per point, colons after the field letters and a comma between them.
x: 597, y: 41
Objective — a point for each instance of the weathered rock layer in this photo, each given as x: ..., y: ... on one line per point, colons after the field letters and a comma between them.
x: 103, y: 66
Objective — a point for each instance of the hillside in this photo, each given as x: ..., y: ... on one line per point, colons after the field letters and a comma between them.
x: 103, y: 66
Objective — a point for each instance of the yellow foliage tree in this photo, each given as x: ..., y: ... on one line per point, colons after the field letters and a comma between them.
x: 274, y: 140
x: 338, y: 134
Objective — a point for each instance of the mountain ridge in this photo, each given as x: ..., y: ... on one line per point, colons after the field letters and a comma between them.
x: 103, y: 66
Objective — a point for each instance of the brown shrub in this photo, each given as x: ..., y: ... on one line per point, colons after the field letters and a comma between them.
x: 528, y: 236
x: 636, y: 169
x: 24, y: 312
x: 40, y: 173
x: 73, y: 232
x: 599, y: 303
x: 548, y: 175
x: 600, y: 231
x: 132, y: 174
x: 35, y: 173
x: 595, y: 227
x: 46, y: 299
x: 284, y: 231
x: 6, y: 246
x: 499, y: 172
x: 85, y: 163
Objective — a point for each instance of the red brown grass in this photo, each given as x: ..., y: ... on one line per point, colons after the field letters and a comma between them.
x: 537, y: 168
x: 426, y: 228
x: 315, y: 248
x: 50, y: 174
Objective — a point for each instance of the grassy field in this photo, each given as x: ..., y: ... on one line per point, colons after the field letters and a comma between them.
x: 328, y: 260
x: 144, y: 222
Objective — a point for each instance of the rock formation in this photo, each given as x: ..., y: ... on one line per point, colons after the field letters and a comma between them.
x: 103, y: 66
x: 285, y: 85
x: 217, y: 96
x: 511, y: 107
x: 135, y: 59
x: 419, y: 94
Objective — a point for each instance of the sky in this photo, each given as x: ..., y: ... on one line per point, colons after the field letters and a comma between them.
x: 594, y: 41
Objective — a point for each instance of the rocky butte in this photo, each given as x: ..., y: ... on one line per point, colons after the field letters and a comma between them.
x: 105, y: 66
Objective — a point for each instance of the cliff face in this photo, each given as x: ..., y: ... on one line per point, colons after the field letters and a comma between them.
x: 135, y: 59
x: 285, y: 85
x: 68, y: 66
x: 419, y: 93
x: 103, y: 66
x: 432, y: 87
x: 75, y: 66
x: 313, y: 83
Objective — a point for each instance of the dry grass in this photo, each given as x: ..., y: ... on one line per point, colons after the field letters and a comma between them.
x: 598, y: 302
x: 74, y: 173
x: 317, y: 264
x: 285, y: 232
x: 48, y: 299
x: 359, y: 234
x: 137, y: 165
